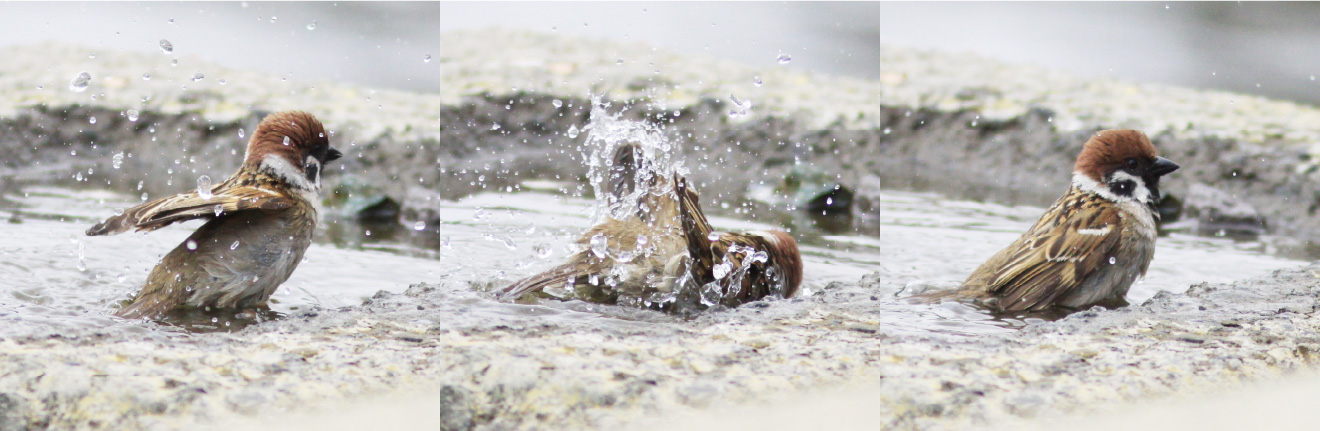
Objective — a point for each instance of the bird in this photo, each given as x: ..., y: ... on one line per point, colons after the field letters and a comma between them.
x: 259, y: 223
x: 1092, y: 244
x: 660, y: 252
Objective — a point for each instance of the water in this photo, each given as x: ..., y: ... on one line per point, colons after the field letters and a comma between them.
x: 52, y: 281
x: 80, y: 83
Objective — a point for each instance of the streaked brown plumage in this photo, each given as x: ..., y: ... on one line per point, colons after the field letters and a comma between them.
x: 259, y: 223
x: 1093, y: 243
x: 679, y: 263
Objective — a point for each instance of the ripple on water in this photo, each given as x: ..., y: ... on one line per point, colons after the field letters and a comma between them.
x: 926, y: 238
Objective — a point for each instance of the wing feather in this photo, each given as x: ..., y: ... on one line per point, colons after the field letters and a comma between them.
x: 187, y: 206
x: 1055, y: 258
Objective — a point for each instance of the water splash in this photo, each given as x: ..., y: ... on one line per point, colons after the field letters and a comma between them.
x: 79, y: 83
x: 204, y: 187
x: 606, y: 133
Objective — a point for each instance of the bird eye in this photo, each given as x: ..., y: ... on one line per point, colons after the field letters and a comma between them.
x: 1132, y: 162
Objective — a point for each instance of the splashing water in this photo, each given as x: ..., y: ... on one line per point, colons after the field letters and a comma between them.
x: 606, y: 133
x: 204, y: 187
x: 79, y: 83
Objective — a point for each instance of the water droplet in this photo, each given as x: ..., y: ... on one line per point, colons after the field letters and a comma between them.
x: 240, y: 134
x: 140, y: 184
x: 598, y: 244
x: 166, y: 47
x: 198, y: 76
x: 723, y: 269
x: 146, y: 77
x: 543, y: 251
x: 1112, y: 260
x: 508, y: 242
x: 421, y: 225
x: 714, y: 236
x: 219, y: 209
x: 624, y: 256
x: 192, y: 245
x: 619, y: 62
x: 119, y: 211
x: 144, y: 196
x: 221, y: 81
x: 495, y: 126
x: 756, y: 80
x: 79, y: 83
x: 559, y: 103
x: 92, y: 120
x: 426, y: 59
x: 204, y: 187
x: 233, y: 246
x: 784, y: 59
x: 311, y: 26
x: 573, y: 131
x: 117, y: 160
x: 642, y: 240
x: 286, y: 140
x: 132, y: 114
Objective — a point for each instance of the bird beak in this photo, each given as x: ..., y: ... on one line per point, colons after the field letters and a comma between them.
x: 1162, y: 166
x: 334, y: 154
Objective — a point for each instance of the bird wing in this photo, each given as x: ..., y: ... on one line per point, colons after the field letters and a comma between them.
x: 559, y: 275
x: 1055, y: 257
x: 697, y: 230
x: 187, y: 206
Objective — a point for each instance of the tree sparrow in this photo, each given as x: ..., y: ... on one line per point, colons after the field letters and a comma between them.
x: 663, y: 252
x: 259, y: 223
x: 1093, y: 243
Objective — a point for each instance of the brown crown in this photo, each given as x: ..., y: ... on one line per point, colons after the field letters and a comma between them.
x: 1109, y: 149
x: 304, y: 131
x: 789, y: 260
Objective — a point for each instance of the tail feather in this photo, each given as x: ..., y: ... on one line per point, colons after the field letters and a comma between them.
x: 561, y: 274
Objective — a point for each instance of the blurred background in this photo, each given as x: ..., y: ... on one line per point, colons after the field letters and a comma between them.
x: 378, y: 44
x: 1267, y: 49
x: 837, y: 38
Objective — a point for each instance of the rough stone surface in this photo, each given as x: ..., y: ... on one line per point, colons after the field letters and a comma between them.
x: 1218, y: 212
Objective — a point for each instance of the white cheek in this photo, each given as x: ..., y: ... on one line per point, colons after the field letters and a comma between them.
x: 316, y: 178
x: 290, y: 174
x: 1141, y: 193
x: 1086, y: 184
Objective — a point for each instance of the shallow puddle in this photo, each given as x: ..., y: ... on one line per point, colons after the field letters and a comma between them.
x: 54, y: 276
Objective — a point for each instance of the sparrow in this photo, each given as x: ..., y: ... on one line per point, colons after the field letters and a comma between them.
x: 661, y: 252
x: 1093, y: 243
x: 259, y: 223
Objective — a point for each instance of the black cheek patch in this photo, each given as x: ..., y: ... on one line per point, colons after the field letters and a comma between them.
x: 312, y: 170
x: 1123, y: 188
